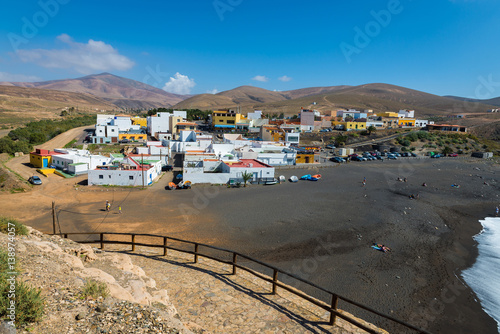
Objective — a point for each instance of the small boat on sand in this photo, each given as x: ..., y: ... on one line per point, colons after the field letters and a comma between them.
x: 306, y: 177
x: 317, y: 176
x: 282, y: 178
x: 293, y: 178
x: 270, y: 183
x: 187, y: 185
x: 171, y: 186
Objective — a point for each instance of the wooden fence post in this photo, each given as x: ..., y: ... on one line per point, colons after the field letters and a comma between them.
x: 335, y: 302
x: 133, y: 242
x: 102, y: 241
x: 275, y: 279
x: 195, y: 253
x: 234, y: 263
x: 165, y: 246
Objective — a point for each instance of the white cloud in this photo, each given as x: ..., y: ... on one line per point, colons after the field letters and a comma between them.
x: 179, y: 84
x: 285, y: 78
x: 261, y: 78
x: 213, y: 91
x: 85, y: 58
x: 4, y: 76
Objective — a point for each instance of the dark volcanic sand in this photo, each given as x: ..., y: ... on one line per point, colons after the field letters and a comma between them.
x: 322, y: 231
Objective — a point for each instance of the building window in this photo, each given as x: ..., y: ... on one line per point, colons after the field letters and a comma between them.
x: 101, y: 177
x: 131, y: 177
x: 109, y: 176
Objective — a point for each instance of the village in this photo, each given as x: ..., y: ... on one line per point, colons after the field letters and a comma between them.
x: 231, y: 148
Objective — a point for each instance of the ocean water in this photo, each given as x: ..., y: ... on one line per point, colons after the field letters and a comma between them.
x: 484, y: 276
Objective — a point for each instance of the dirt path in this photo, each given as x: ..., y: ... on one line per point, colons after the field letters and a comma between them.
x: 21, y: 164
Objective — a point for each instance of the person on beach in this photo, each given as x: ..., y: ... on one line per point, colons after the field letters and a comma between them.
x: 405, y: 180
x: 108, y: 206
x: 496, y: 211
x: 120, y: 209
x: 424, y: 184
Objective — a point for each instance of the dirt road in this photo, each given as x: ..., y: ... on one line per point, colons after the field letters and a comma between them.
x: 22, y: 166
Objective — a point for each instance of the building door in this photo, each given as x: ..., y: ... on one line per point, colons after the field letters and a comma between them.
x: 102, y: 140
x: 307, y: 160
x: 45, y: 162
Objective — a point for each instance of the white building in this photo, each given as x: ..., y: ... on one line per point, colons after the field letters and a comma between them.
x: 376, y: 124
x: 220, y: 172
x: 257, y: 114
x: 75, y: 161
x: 405, y: 113
x: 422, y: 123
x: 159, y: 123
x: 129, y: 172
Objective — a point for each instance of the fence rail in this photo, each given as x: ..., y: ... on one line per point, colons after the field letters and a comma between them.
x: 331, y: 307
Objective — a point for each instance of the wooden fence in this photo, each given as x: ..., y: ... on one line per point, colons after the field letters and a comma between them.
x: 331, y: 306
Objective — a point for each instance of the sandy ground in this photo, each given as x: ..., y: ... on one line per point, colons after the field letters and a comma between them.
x: 321, y: 230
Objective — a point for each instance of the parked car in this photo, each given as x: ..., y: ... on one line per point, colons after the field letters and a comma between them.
x: 453, y: 155
x: 167, y: 168
x: 35, y: 180
x: 378, y: 157
x: 392, y: 157
x: 337, y: 159
x: 413, y: 154
x: 124, y: 141
x: 436, y: 156
x: 330, y: 146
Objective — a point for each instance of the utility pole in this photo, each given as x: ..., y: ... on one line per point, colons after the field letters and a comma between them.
x: 53, y: 217
x: 142, y: 167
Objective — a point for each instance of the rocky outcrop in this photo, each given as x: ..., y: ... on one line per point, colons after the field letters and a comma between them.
x: 60, y: 267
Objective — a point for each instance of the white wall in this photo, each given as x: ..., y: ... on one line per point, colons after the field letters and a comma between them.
x: 160, y: 123
x: 180, y: 113
x: 123, y: 123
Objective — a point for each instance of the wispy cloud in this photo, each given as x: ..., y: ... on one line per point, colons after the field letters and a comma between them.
x: 213, y: 91
x: 179, y: 84
x: 4, y: 76
x: 85, y: 58
x: 261, y: 78
x: 285, y: 78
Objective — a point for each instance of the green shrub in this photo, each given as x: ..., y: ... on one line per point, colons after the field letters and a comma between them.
x: 95, y: 289
x: 29, y: 306
x: 19, y: 229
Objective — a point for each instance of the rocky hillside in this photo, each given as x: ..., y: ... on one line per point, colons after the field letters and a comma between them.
x: 61, y: 268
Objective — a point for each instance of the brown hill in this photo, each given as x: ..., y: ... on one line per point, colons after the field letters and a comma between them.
x: 379, y: 97
x: 298, y: 93
x: 245, y: 97
x: 123, y: 92
x: 19, y: 105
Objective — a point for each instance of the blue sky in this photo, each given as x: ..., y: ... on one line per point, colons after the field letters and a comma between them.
x: 441, y: 47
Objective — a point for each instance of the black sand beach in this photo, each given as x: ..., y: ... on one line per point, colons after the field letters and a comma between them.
x: 323, y: 231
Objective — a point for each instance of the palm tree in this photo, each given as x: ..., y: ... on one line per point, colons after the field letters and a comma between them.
x: 247, y: 176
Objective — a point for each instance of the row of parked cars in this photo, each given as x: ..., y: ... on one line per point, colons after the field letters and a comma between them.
x: 365, y: 156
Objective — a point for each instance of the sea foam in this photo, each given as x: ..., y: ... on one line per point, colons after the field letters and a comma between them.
x: 484, y: 276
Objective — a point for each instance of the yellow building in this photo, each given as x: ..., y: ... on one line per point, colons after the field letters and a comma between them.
x: 173, y: 121
x: 355, y: 126
x: 388, y: 114
x: 407, y: 122
x: 226, y: 119
x: 41, y: 158
x: 349, y: 125
x: 132, y: 136
x: 143, y: 122
x: 307, y: 158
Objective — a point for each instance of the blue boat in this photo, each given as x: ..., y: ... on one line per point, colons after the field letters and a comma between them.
x: 306, y: 177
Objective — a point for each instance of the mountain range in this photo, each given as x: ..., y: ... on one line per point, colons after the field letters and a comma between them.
x: 110, y: 92
x: 122, y: 92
